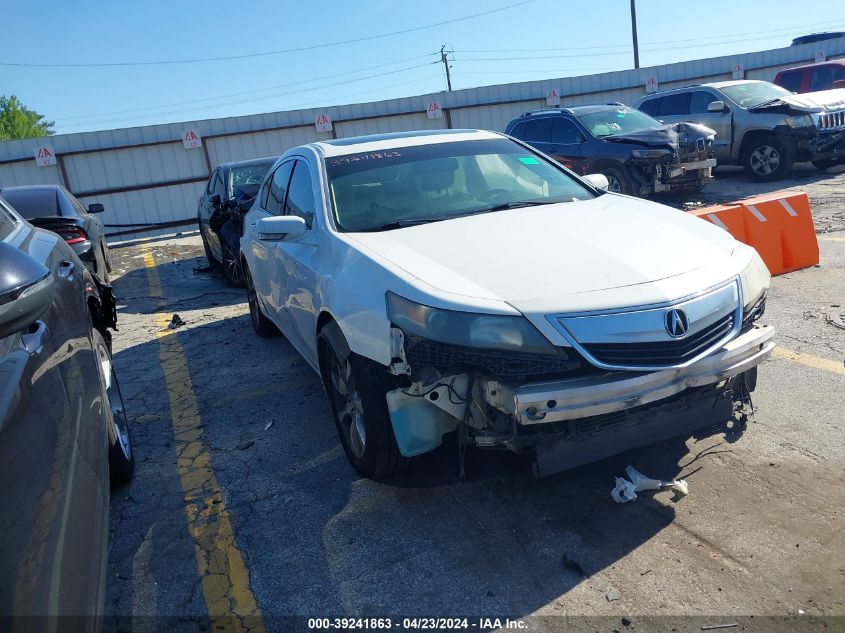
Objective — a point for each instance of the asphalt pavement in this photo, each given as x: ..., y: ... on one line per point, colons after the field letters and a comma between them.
x: 245, y: 515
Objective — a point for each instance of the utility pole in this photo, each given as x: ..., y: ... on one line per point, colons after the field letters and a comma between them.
x: 634, y: 33
x: 444, y: 57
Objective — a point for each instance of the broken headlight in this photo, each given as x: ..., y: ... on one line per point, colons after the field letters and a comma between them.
x: 802, y: 120
x: 651, y: 153
x: 467, y: 329
x: 755, y: 280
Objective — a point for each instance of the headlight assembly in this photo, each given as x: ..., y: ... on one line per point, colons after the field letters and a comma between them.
x: 467, y: 329
x: 801, y: 120
x: 755, y: 280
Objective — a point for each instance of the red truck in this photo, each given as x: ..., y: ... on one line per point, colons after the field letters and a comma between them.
x: 813, y: 77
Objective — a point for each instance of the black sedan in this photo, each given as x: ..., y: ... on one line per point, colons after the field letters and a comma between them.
x: 64, y: 438
x: 56, y: 209
x: 229, y: 194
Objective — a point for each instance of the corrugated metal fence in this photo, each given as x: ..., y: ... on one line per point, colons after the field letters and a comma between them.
x: 145, y: 177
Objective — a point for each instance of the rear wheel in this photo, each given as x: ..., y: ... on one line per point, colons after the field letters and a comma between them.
x: 766, y: 158
x: 263, y: 326
x: 121, y: 455
x: 356, y: 389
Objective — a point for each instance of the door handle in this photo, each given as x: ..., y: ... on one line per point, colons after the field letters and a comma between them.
x: 65, y: 269
x: 33, y: 342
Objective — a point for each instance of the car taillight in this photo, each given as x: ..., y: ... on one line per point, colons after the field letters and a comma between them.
x: 72, y: 234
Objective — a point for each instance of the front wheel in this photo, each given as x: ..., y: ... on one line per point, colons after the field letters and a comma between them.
x: 232, y: 267
x: 356, y: 389
x: 121, y: 455
x: 766, y: 159
x: 617, y: 181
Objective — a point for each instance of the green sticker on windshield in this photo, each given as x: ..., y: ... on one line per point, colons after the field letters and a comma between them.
x: 528, y: 160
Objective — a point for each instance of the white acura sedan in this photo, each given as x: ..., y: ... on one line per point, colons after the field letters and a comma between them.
x: 462, y: 281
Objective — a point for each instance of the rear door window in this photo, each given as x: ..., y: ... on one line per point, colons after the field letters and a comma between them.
x: 675, y: 104
x: 538, y: 130
x: 821, y: 78
x: 7, y: 222
x: 275, y: 199
x: 792, y: 80
x: 300, y: 199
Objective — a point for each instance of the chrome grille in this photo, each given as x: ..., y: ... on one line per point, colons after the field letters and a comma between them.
x: 662, y: 353
x: 832, y: 120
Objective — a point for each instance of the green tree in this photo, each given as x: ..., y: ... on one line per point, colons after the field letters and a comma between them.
x: 18, y: 121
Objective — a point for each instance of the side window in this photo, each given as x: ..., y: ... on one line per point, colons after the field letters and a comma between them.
x: 651, y: 107
x: 699, y: 100
x: 275, y: 201
x: 839, y: 73
x: 675, y: 104
x: 792, y: 81
x: 518, y: 130
x: 7, y: 222
x: 217, y: 186
x: 821, y: 79
x: 565, y: 132
x: 538, y: 130
x: 300, y: 200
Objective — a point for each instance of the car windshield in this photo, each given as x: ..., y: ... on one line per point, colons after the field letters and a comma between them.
x: 754, y: 94
x: 618, y: 121
x: 247, y: 178
x: 386, y: 189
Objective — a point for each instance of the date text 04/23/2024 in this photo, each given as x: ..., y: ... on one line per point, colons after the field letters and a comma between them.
x: 415, y: 624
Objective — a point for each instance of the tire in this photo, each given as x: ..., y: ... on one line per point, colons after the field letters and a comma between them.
x: 232, y: 267
x: 356, y: 389
x: 208, y: 255
x: 121, y: 455
x: 263, y: 326
x: 825, y: 163
x: 617, y: 181
x: 766, y: 159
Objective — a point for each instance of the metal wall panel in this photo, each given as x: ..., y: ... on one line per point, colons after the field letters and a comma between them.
x: 28, y: 173
x: 148, y: 206
x: 225, y: 149
x: 403, y: 123
x: 136, y: 166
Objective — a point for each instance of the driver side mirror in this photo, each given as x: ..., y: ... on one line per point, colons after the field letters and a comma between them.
x: 599, y: 181
x: 215, y: 200
x: 717, y: 106
x: 26, y: 289
x: 95, y: 207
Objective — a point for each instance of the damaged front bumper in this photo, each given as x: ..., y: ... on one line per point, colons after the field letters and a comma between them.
x: 656, y: 177
x: 596, y: 395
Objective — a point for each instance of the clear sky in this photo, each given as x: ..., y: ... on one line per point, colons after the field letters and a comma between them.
x: 536, y: 39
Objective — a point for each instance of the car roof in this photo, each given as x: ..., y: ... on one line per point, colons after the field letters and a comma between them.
x: 381, y: 142
x: 712, y: 84
x: 34, y: 201
x: 252, y: 161
x: 576, y: 110
x: 830, y: 62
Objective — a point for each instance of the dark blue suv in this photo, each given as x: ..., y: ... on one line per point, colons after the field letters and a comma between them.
x: 638, y: 154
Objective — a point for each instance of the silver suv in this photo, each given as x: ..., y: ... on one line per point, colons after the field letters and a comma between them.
x: 761, y: 126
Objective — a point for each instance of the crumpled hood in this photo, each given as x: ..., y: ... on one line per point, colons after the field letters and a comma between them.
x: 822, y: 101
x: 520, y: 255
x: 659, y: 137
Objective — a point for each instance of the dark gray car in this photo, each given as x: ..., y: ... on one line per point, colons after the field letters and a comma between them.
x: 56, y: 209
x: 63, y: 431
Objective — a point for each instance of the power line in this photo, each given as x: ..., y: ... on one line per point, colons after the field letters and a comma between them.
x: 277, y: 52
x: 246, y: 92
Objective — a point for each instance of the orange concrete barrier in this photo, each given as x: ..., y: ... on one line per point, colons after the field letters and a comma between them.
x: 779, y: 225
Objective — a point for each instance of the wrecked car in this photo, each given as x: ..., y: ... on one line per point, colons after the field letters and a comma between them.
x: 462, y: 282
x: 761, y: 126
x: 228, y: 195
x: 636, y: 153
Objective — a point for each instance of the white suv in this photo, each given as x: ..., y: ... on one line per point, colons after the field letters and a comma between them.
x: 463, y: 281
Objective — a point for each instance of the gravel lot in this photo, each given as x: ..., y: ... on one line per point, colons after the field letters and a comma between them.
x: 284, y: 522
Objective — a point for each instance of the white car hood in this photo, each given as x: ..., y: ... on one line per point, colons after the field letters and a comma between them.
x: 528, y: 256
x: 824, y: 100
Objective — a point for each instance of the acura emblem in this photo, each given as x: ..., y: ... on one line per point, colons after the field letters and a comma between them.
x: 677, y: 323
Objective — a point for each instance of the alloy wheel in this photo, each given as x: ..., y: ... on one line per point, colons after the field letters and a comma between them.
x: 613, y: 184
x: 765, y: 160
x: 348, y: 405
x: 120, y: 425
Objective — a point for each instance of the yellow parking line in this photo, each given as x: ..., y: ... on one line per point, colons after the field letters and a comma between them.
x: 224, y: 576
x: 832, y: 238
x: 816, y: 362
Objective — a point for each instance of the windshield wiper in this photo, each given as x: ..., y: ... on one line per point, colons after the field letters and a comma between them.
x: 514, y: 205
x: 398, y: 224
x: 765, y: 103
